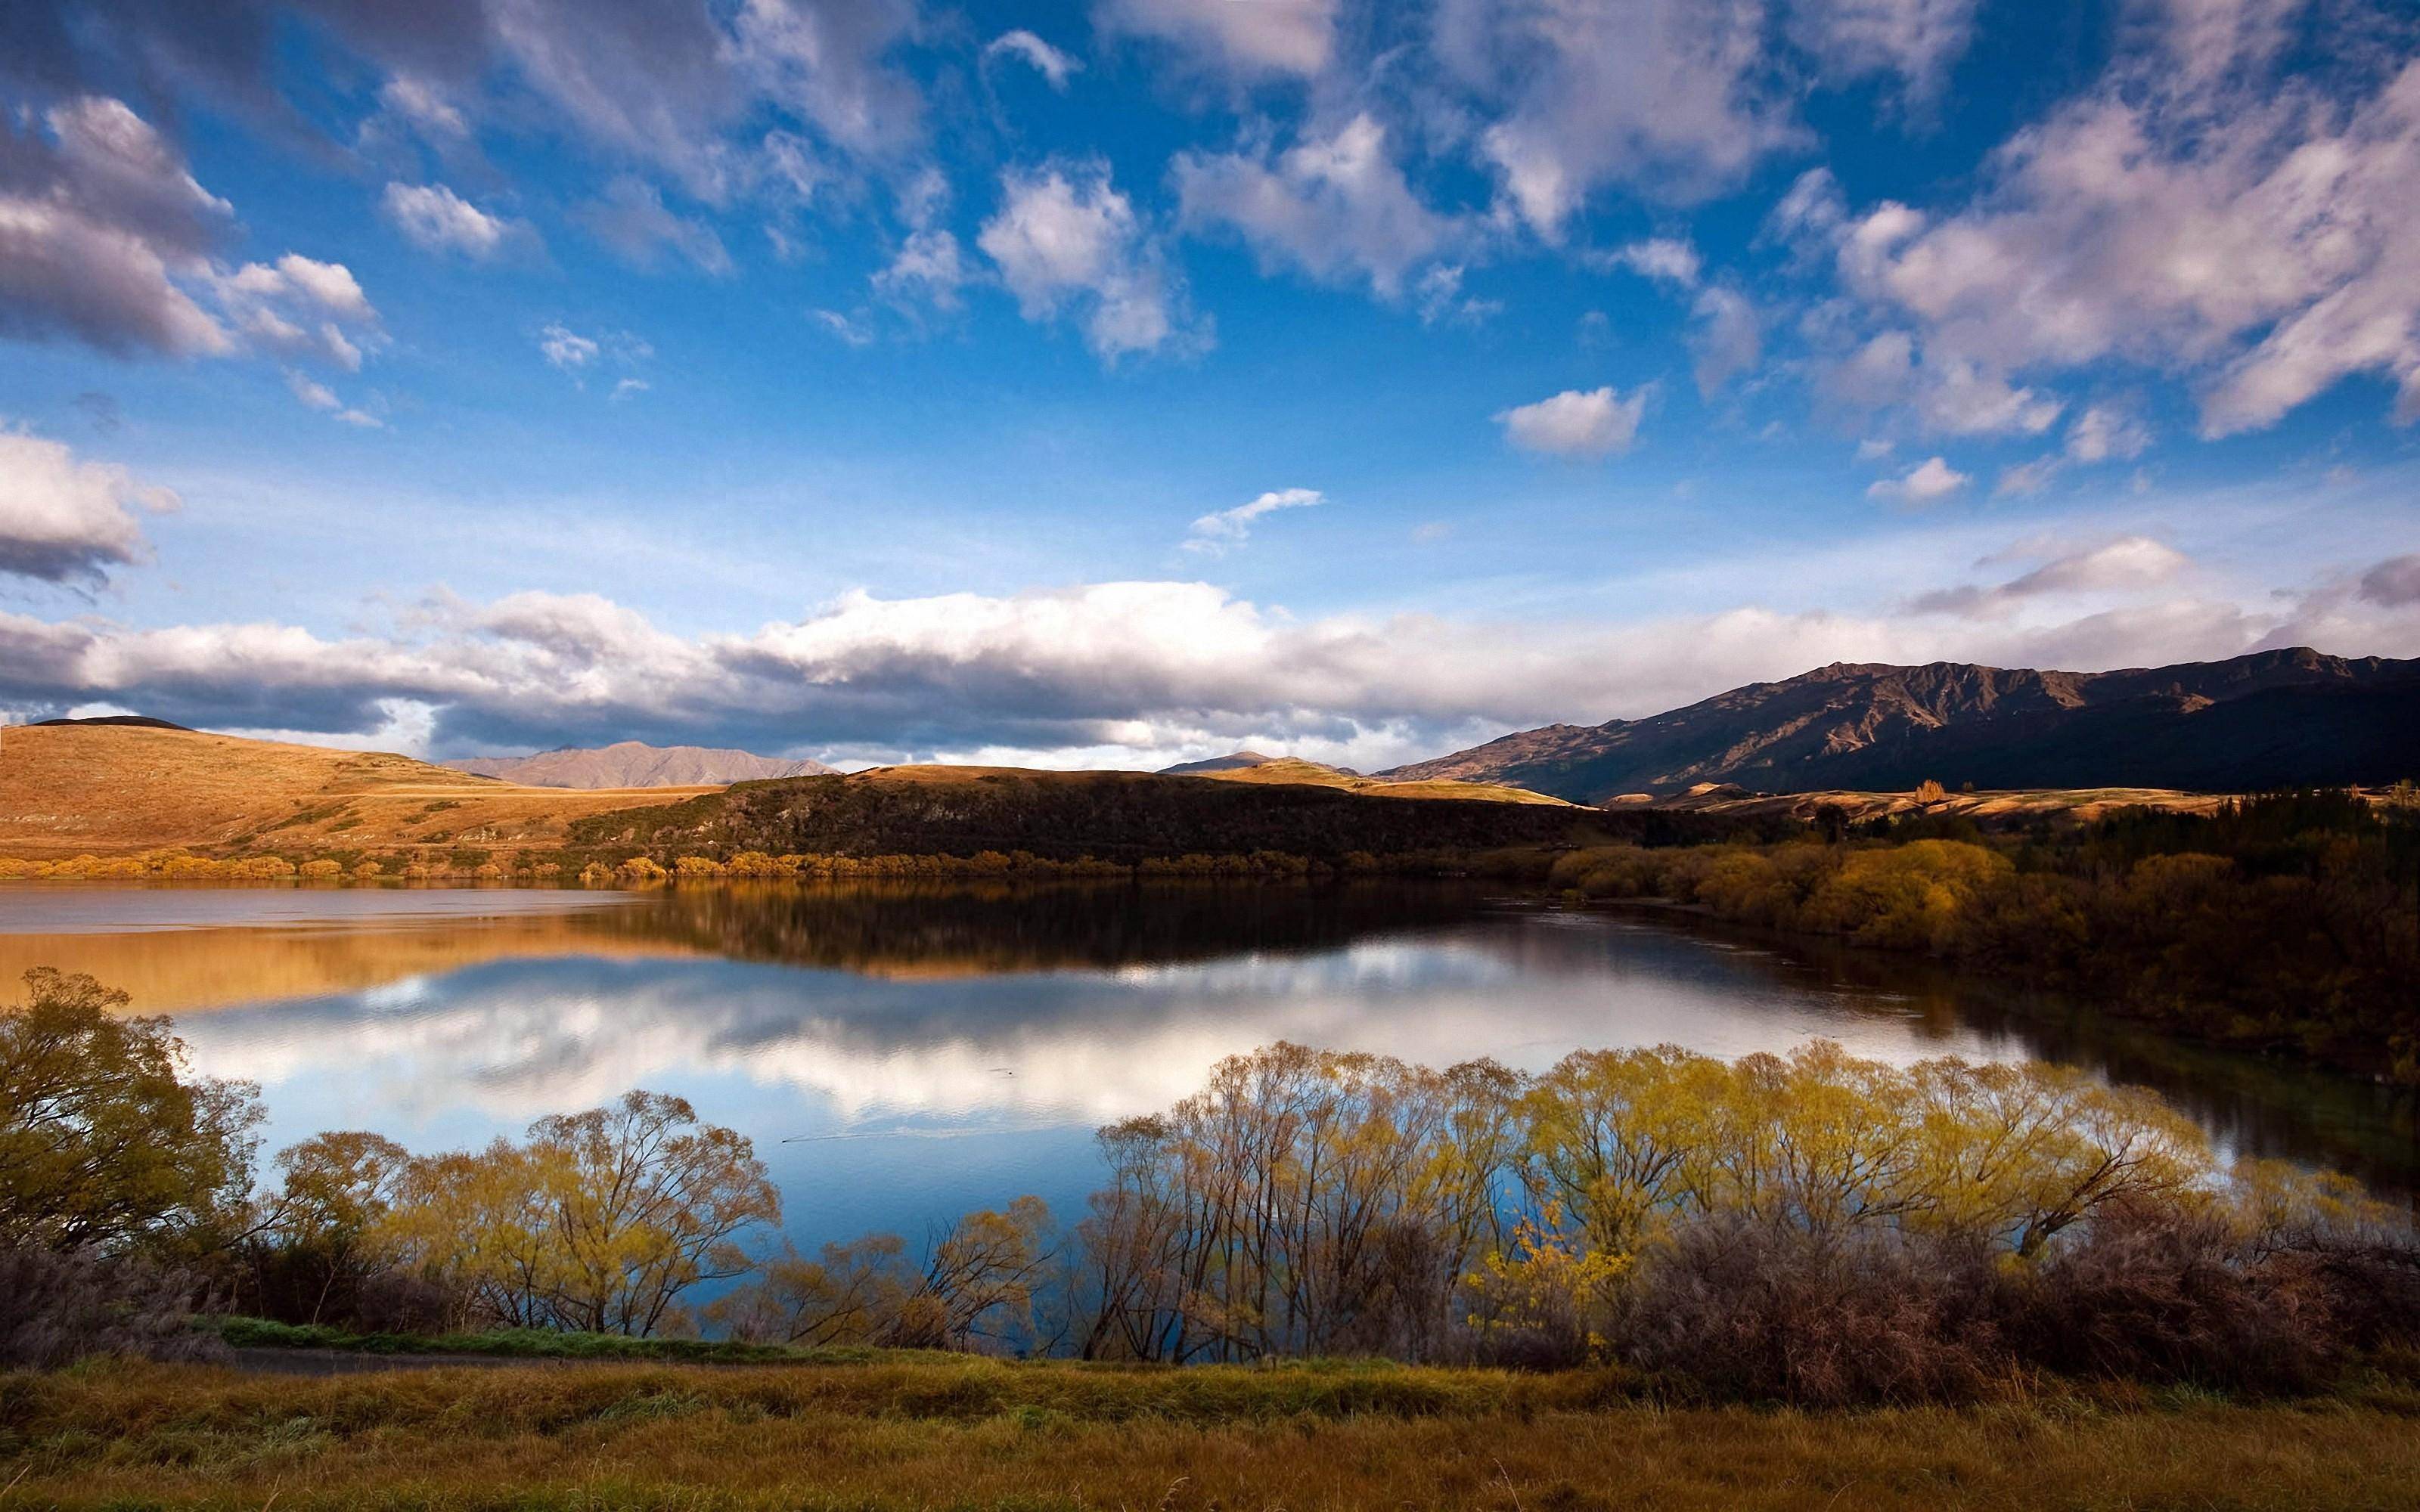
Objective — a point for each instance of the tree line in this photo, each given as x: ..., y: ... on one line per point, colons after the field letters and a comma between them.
x: 2289, y: 921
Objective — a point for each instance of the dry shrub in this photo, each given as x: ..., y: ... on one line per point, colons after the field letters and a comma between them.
x: 59, y: 1308
x: 1742, y: 1309
x: 2175, y: 1294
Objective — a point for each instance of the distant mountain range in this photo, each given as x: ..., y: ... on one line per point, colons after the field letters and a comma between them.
x: 2273, y: 718
x: 631, y: 764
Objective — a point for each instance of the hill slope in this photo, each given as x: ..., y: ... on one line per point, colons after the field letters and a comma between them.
x: 68, y: 789
x: 631, y: 763
x: 1108, y: 816
x: 2273, y: 718
x: 1288, y: 769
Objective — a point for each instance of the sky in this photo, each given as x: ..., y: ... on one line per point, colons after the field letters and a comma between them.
x: 1121, y: 382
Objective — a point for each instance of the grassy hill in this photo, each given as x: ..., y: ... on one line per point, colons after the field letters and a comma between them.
x: 1293, y: 771
x: 1110, y: 816
x: 106, y: 789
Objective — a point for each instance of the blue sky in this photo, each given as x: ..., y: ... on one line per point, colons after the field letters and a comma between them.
x: 1120, y: 383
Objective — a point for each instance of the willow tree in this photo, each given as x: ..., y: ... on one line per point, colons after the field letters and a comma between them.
x: 105, y: 1142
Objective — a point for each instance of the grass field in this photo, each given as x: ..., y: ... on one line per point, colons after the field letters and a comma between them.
x: 933, y: 1432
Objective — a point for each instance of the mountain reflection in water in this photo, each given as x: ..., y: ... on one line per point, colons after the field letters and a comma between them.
x: 901, y: 1053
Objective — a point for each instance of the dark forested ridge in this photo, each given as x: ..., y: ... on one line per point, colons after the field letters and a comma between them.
x: 2270, y: 719
x: 1108, y: 816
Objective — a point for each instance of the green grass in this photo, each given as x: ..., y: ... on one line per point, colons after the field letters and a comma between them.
x: 517, y: 1344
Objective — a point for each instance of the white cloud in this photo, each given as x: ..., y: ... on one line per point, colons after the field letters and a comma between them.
x: 97, y: 226
x: 1917, y: 39
x: 1674, y: 98
x: 1245, y: 39
x: 1588, y: 424
x: 929, y: 263
x: 849, y: 333
x: 1063, y: 235
x: 1668, y: 259
x: 2128, y: 562
x: 1215, y: 533
x: 1728, y: 338
x: 68, y: 521
x: 1439, y: 298
x: 436, y: 218
x: 2022, y: 479
x: 566, y: 348
x: 628, y: 388
x: 1336, y: 205
x: 2193, y: 214
x: 1049, y: 61
x: 2103, y: 432
x: 1141, y: 665
x: 1927, y: 483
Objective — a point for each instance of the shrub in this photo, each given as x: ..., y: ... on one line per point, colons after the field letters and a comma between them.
x: 1760, y: 1310
x: 59, y: 1308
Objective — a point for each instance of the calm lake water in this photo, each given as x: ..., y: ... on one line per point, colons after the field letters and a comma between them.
x: 901, y: 1056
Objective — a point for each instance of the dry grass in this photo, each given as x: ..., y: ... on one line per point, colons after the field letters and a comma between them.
x: 108, y: 790
x: 1294, y: 771
x: 963, y: 1433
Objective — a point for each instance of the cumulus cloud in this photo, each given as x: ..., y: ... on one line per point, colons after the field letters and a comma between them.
x: 1216, y: 533
x: 2104, y: 432
x: 101, y: 229
x: 1671, y: 99
x: 1336, y: 205
x: 2195, y: 213
x: 1668, y: 259
x: 1065, y: 236
x: 1047, y: 60
x: 929, y: 266
x: 1439, y: 298
x: 1140, y: 667
x: 63, y: 520
x: 2133, y: 562
x: 1916, y: 39
x: 1927, y: 483
x: 1585, y: 423
x: 1258, y: 38
x: 436, y: 218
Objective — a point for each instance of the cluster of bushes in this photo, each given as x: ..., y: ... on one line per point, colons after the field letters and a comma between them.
x: 1814, y: 1228
x: 2286, y: 921
x: 183, y: 866
x: 1023, y: 865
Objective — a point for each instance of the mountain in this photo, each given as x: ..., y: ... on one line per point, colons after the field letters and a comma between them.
x: 1292, y: 771
x: 2273, y: 718
x: 631, y: 764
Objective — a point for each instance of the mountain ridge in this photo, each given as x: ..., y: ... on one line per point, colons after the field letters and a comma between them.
x: 2288, y: 717
x: 633, y: 763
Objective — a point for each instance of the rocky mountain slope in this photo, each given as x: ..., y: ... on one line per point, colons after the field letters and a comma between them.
x: 631, y: 763
x: 2270, y: 718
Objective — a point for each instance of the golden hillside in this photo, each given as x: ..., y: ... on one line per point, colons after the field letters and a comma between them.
x: 1297, y: 772
x: 108, y: 790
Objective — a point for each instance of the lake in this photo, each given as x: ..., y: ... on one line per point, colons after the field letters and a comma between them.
x: 902, y: 1055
